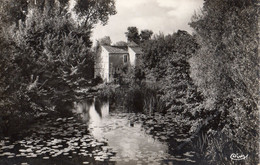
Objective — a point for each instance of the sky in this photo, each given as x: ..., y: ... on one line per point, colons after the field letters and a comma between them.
x: 166, y: 16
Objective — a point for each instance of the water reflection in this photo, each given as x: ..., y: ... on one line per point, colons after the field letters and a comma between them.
x: 130, y: 142
x: 97, y: 134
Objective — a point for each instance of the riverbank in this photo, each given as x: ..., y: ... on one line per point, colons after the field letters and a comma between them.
x: 12, y: 122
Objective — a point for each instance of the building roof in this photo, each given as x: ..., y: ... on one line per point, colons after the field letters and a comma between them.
x: 115, y: 49
x: 136, y: 49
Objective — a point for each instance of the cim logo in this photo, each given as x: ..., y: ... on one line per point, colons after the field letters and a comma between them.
x: 238, y: 156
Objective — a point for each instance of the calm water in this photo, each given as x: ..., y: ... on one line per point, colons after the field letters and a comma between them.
x: 97, y: 134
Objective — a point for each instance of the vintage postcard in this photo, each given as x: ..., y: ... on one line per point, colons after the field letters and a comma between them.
x: 119, y: 82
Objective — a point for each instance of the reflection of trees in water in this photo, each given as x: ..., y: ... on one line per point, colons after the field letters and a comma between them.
x: 98, y: 104
x: 101, y: 106
x: 82, y: 109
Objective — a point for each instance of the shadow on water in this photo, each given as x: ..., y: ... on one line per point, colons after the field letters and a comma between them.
x: 97, y: 134
x: 126, y: 135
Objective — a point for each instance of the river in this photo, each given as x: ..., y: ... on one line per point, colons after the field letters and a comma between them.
x: 97, y: 134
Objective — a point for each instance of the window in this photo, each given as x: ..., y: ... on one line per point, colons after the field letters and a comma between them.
x: 125, y: 58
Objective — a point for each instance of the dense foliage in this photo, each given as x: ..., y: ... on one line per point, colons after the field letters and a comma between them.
x: 104, y: 41
x: 226, y: 70
x: 91, y: 12
x: 165, y: 61
x: 133, y: 35
x: 45, y: 58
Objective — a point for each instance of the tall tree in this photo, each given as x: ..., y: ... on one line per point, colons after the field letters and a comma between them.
x: 93, y: 11
x: 105, y: 41
x: 12, y: 11
x: 226, y: 69
x: 132, y: 35
x: 45, y: 57
x: 145, y: 35
x: 165, y: 61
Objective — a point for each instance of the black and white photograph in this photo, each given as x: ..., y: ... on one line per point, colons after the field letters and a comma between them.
x: 129, y: 82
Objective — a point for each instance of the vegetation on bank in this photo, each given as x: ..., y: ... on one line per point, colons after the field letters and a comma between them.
x: 45, y: 55
x: 226, y: 71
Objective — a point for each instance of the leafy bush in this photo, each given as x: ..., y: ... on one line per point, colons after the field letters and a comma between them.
x: 166, y: 63
x: 45, y: 56
x: 226, y: 70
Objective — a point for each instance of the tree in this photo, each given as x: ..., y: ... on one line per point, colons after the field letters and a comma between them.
x: 132, y: 35
x: 53, y: 58
x: 120, y: 43
x: 226, y: 72
x: 105, y: 41
x: 165, y: 60
x: 146, y: 35
x: 44, y: 59
x: 92, y: 11
x: 12, y: 11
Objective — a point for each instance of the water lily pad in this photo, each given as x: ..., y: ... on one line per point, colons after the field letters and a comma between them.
x: 59, y: 119
x: 24, y: 164
x: 99, y: 159
x: 55, y: 147
x: 8, y: 154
